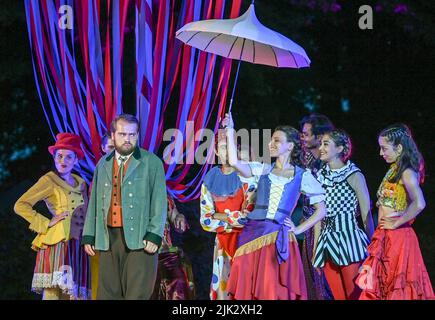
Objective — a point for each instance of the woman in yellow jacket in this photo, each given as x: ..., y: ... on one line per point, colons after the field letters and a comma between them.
x: 62, y: 266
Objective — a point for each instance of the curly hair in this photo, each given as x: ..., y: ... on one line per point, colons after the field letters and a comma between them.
x: 410, y: 157
x: 341, y: 139
x: 293, y: 135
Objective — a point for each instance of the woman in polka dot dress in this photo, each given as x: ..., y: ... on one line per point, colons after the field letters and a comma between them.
x: 226, y: 197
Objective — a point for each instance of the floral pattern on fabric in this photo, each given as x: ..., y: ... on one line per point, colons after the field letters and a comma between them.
x: 210, y: 204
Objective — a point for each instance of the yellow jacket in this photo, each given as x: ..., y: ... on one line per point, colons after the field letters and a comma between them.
x: 59, y: 197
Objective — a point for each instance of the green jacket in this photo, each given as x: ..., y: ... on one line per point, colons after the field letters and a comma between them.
x: 144, y: 202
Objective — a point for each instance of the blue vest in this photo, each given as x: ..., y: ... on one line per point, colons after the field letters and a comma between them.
x: 287, y: 203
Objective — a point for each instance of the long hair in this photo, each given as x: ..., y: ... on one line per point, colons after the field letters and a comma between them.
x: 293, y: 135
x: 410, y: 157
x: 341, y: 139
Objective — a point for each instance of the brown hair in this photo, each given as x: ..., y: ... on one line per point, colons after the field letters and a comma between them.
x: 125, y: 117
x: 341, y: 139
x: 411, y: 157
x: 293, y: 135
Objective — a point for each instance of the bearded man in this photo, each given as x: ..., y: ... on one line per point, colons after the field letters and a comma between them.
x: 126, y: 215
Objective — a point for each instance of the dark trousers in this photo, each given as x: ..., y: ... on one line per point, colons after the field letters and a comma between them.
x: 124, y: 273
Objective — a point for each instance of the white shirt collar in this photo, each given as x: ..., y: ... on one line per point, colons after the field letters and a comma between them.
x: 346, y: 165
x: 117, y: 155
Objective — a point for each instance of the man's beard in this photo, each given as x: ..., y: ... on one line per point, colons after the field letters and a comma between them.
x: 124, y: 149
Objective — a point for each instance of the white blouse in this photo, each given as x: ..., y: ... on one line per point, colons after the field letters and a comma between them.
x: 310, y: 187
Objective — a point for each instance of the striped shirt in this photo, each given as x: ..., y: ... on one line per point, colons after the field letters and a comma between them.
x: 341, y: 239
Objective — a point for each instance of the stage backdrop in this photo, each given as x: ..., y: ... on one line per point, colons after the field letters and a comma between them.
x: 77, y: 49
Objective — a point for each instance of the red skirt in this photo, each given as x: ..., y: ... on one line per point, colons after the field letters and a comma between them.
x: 394, y: 269
x: 258, y: 276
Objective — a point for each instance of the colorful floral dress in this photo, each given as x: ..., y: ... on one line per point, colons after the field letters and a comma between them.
x: 230, y: 194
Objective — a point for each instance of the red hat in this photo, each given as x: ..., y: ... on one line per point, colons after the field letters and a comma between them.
x: 68, y: 141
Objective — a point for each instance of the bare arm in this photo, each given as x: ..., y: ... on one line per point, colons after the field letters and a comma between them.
x: 317, y: 229
x: 242, y: 167
x: 178, y: 219
x: 416, y: 198
x: 319, y: 214
x: 312, y: 188
x: 359, y: 185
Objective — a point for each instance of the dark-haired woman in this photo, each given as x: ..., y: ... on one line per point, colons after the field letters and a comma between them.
x: 62, y: 266
x: 394, y: 269
x: 342, y: 245
x: 267, y: 264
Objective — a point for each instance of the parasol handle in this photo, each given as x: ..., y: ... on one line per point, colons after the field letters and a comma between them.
x: 234, y: 86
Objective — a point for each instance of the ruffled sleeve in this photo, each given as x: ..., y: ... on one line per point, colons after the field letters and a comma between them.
x: 208, y: 223
x: 258, y: 169
x: 312, y: 188
x: 238, y: 218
